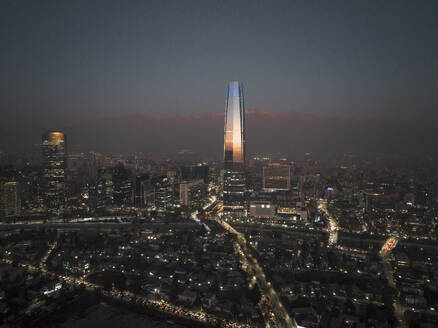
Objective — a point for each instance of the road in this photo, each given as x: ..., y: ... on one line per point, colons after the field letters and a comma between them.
x: 332, y: 227
x: 273, y: 310
x: 43, y: 261
x: 162, y: 306
x: 399, y: 308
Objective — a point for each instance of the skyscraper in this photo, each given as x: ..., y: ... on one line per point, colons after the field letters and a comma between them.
x: 142, y: 185
x: 234, y: 151
x: 54, y: 148
x: 10, y: 205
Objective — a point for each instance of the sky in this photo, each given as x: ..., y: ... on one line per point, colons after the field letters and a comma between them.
x: 75, y: 64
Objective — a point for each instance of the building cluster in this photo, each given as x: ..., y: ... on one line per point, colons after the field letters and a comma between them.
x: 181, y: 264
x: 92, y: 184
x: 321, y: 286
x: 345, y: 241
x: 381, y: 198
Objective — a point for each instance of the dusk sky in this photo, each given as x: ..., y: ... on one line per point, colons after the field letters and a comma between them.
x: 64, y: 64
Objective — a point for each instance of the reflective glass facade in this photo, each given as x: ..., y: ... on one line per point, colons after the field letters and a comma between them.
x: 234, y: 150
x: 234, y: 130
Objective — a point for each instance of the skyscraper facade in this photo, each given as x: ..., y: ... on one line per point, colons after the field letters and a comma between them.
x: 234, y: 151
x: 10, y: 205
x: 142, y: 185
x: 54, y: 148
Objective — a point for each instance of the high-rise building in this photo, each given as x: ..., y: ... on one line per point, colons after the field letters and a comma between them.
x: 142, y: 185
x: 234, y: 151
x: 163, y: 194
x: 54, y: 148
x: 191, y: 191
x: 276, y: 177
x: 123, y: 186
x: 172, y: 176
x: 103, y: 191
x: 10, y: 205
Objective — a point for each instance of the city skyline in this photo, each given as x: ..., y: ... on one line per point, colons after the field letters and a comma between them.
x: 86, y: 65
x: 218, y: 163
x: 167, y: 136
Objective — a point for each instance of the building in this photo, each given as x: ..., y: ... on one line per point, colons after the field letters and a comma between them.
x: 163, y: 195
x: 201, y: 171
x: 276, y: 177
x: 234, y: 151
x: 123, y: 186
x: 194, y: 172
x: 261, y: 209
x: 10, y: 205
x: 172, y: 176
x: 142, y: 186
x: 102, y: 194
x: 54, y: 149
x: 190, y: 191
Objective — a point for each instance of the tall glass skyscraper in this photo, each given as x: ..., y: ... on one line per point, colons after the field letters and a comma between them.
x: 54, y: 148
x: 234, y: 151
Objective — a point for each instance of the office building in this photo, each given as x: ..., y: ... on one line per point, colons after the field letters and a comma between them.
x: 163, y: 195
x: 10, y: 205
x: 191, y: 191
x: 234, y: 151
x: 142, y: 186
x: 123, y: 186
x: 54, y: 149
x: 103, y: 192
x: 261, y: 209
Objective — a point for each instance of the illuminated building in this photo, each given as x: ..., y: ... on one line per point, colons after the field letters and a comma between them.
x: 10, y: 205
x: 276, y: 177
x: 234, y: 151
x: 261, y: 209
x: 54, y: 148
x: 123, y: 186
x: 190, y: 191
x: 163, y: 195
x: 104, y: 190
